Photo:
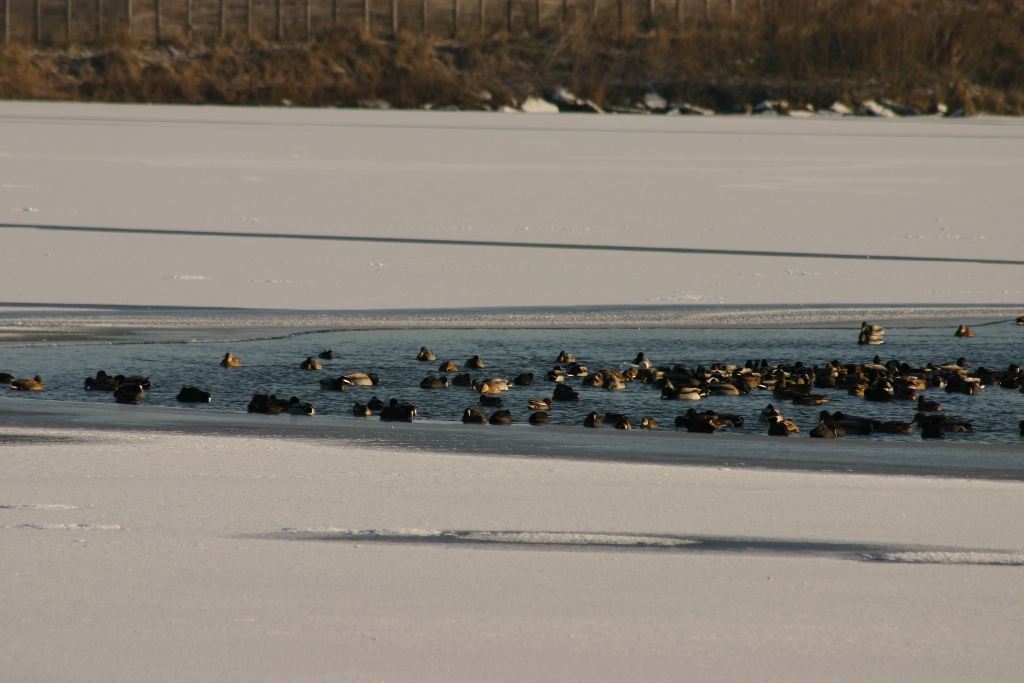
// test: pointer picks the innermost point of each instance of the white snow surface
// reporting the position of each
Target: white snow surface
(157, 556)
(904, 187)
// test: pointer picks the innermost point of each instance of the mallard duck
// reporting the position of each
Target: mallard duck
(613, 383)
(102, 382)
(431, 382)
(593, 420)
(648, 423)
(555, 374)
(500, 417)
(297, 407)
(194, 395)
(34, 384)
(681, 393)
(782, 427)
(491, 400)
(523, 380)
(951, 423)
(576, 370)
(375, 404)
(826, 431)
(928, 406)
(701, 423)
(963, 331)
(474, 363)
(267, 404)
(474, 416)
(641, 361)
(448, 366)
(810, 400)
(538, 418)
(769, 411)
(853, 424)
(143, 381)
(623, 423)
(539, 404)
(565, 393)
(311, 364)
(425, 354)
(129, 394)
(335, 384)
(495, 385)
(397, 411)
(893, 427)
(361, 379)
(327, 354)
(462, 380)
(361, 410)
(564, 357)
(230, 361)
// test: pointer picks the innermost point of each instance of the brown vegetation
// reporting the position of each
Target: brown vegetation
(917, 52)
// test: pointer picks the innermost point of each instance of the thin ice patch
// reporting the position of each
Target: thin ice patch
(38, 506)
(952, 557)
(73, 527)
(561, 538)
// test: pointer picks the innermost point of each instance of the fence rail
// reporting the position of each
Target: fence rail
(67, 21)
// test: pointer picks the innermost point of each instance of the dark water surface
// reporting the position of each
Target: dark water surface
(272, 366)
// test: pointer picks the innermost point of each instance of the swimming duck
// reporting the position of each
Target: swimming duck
(267, 404)
(681, 394)
(810, 400)
(1020, 320)
(7, 378)
(827, 431)
(491, 400)
(327, 354)
(893, 427)
(474, 416)
(34, 384)
(853, 424)
(564, 357)
(766, 414)
(538, 418)
(297, 407)
(962, 385)
(397, 411)
(701, 423)
(448, 366)
(928, 406)
(951, 423)
(1022, 427)
(230, 361)
(613, 383)
(622, 423)
(555, 374)
(524, 379)
(933, 431)
(723, 389)
(641, 361)
(963, 331)
(500, 417)
(728, 418)
(576, 370)
(491, 386)
(143, 381)
(102, 382)
(361, 379)
(425, 354)
(648, 423)
(335, 384)
(781, 427)
(193, 395)
(375, 404)
(311, 364)
(129, 394)
(361, 410)
(462, 380)
(565, 393)
(870, 334)
(539, 404)
(879, 392)
(474, 363)
(593, 420)
(431, 382)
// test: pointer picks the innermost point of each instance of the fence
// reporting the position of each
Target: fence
(66, 21)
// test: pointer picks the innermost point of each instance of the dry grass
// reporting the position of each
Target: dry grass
(917, 52)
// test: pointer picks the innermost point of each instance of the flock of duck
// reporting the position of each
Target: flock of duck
(795, 383)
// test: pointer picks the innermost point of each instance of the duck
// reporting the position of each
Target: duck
(7, 378)
(431, 382)
(648, 423)
(102, 382)
(933, 431)
(524, 379)
(193, 395)
(538, 418)
(145, 382)
(681, 394)
(491, 400)
(878, 392)
(539, 403)
(853, 424)
(576, 370)
(474, 416)
(326, 354)
(361, 410)
(555, 374)
(622, 423)
(448, 366)
(129, 394)
(641, 361)
(397, 411)
(267, 404)
(565, 393)
(474, 363)
(613, 383)
(375, 404)
(951, 423)
(425, 354)
(297, 407)
(963, 331)
(722, 389)
(810, 400)
(335, 384)
(361, 379)
(564, 357)
(870, 334)
(311, 364)
(500, 417)
(827, 431)
(781, 427)
(494, 385)
(1022, 427)
(34, 384)
(766, 414)
(702, 423)
(1020, 320)
(893, 427)
(729, 418)
(593, 420)
(230, 361)
(927, 406)
(462, 380)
